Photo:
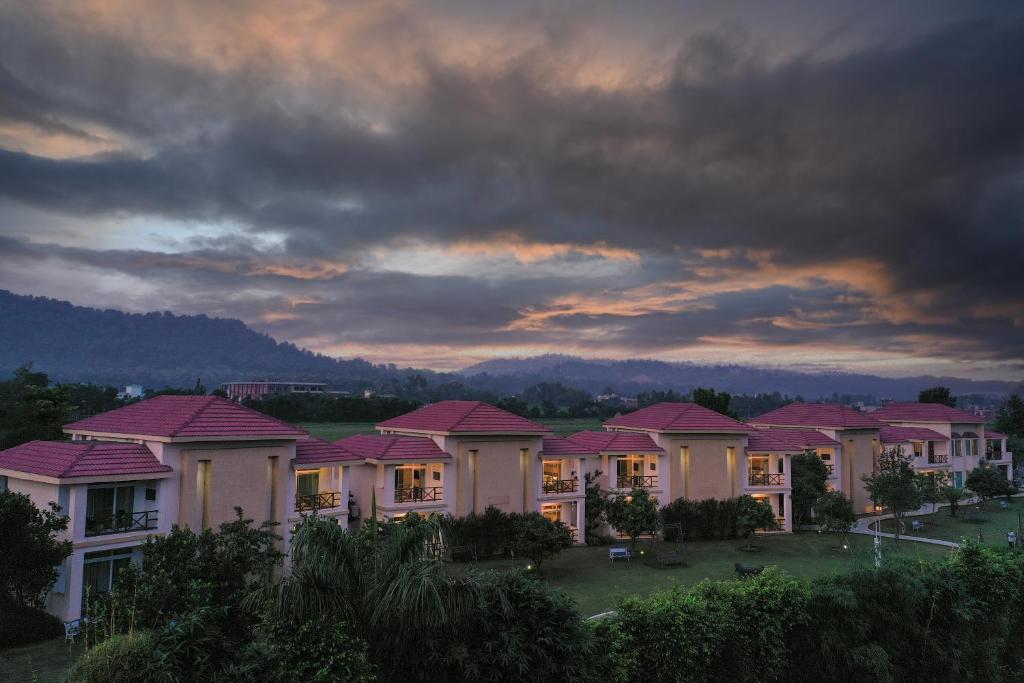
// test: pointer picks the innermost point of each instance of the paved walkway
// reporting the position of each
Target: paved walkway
(865, 525)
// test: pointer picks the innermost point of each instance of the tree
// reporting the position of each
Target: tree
(809, 477)
(29, 549)
(596, 506)
(987, 482)
(1010, 416)
(634, 514)
(30, 408)
(312, 652)
(717, 401)
(951, 494)
(537, 537)
(931, 487)
(754, 514)
(834, 512)
(936, 395)
(894, 486)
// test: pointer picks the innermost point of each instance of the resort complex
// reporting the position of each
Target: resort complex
(192, 460)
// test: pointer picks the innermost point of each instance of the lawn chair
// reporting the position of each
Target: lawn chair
(1003, 504)
(71, 629)
(916, 525)
(619, 553)
(747, 571)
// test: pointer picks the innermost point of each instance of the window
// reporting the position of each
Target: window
(782, 505)
(436, 475)
(552, 470)
(931, 448)
(150, 494)
(307, 483)
(958, 480)
(958, 446)
(3, 484)
(101, 570)
(409, 476)
(654, 466)
(918, 449)
(781, 466)
(972, 446)
(108, 508)
(759, 466)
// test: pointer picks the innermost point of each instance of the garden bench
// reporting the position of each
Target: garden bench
(463, 553)
(71, 629)
(668, 558)
(618, 553)
(916, 524)
(746, 571)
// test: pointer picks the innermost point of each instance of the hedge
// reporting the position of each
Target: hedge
(22, 625)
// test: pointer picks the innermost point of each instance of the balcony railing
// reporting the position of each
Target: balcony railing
(938, 459)
(121, 523)
(994, 455)
(637, 482)
(831, 469)
(317, 501)
(560, 485)
(418, 494)
(766, 479)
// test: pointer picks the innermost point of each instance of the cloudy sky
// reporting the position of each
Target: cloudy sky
(806, 184)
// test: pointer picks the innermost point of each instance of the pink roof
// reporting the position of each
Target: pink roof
(469, 417)
(616, 442)
(924, 412)
(67, 459)
(378, 447)
(313, 450)
(678, 417)
(901, 434)
(993, 434)
(186, 416)
(786, 439)
(828, 415)
(557, 446)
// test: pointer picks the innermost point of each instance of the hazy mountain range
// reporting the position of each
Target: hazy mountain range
(80, 344)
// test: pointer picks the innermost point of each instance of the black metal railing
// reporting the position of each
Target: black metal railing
(637, 482)
(418, 494)
(766, 479)
(994, 455)
(121, 523)
(317, 501)
(560, 485)
(831, 469)
(938, 459)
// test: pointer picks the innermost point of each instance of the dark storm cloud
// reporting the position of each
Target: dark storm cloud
(907, 154)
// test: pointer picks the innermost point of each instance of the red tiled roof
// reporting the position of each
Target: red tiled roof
(470, 417)
(67, 459)
(993, 434)
(557, 446)
(924, 412)
(616, 442)
(378, 447)
(787, 439)
(186, 416)
(817, 415)
(678, 417)
(901, 434)
(317, 450)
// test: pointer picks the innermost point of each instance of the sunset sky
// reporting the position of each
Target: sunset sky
(803, 184)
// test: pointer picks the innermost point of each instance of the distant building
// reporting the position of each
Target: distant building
(625, 401)
(131, 391)
(238, 391)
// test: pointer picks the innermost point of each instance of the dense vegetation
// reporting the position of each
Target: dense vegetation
(714, 519)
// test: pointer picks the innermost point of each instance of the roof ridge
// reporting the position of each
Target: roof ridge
(89, 445)
(196, 413)
(473, 407)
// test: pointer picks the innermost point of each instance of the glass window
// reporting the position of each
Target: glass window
(307, 483)
(552, 470)
(958, 446)
(759, 465)
(108, 508)
(101, 570)
(918, 449)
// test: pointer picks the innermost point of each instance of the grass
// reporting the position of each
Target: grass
(332, 431)
(597, 584)
(997, 522)
(47, 661)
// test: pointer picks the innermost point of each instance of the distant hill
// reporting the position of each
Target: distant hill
(633, 376)
(79, 344)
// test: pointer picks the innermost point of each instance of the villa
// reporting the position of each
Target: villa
(190, 461)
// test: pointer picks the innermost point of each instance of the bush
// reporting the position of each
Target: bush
(487, 532)
(312, 652)
(22, 625)
(709, 519)
(123, 658)
(535, 536)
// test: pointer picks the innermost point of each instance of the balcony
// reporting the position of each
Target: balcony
(418, 494)
(560, 486)
(636, 482)
(766, 479)
(831, 469)
(121, 523)
(938, 459)
(317, 501)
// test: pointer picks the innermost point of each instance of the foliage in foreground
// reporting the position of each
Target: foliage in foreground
(29, 549)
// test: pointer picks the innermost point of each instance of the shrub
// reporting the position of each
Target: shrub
(713, 519)
(634, 514)
(535, 536)
(125, 658)
(22, 625)
(488, 532)
(28, 535)
(311, 652)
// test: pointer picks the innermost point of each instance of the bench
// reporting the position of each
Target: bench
(618, 553)
(746, 571)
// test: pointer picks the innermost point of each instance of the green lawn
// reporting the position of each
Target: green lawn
(597, 584)
(44, 662)
(332, 431)
(993, 522)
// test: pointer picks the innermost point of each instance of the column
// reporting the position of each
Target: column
(581, 521)
(449, 484)
(73, 586)
(343, 474)
(788, 524)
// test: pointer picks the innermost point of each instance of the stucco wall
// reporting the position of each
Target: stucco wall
(705, 472)
(500, 476)
(860, 451)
